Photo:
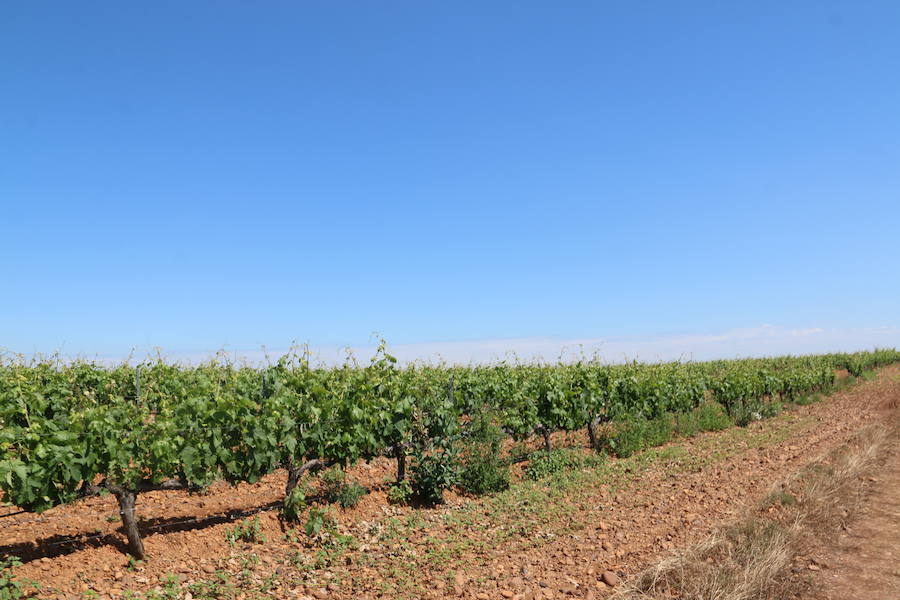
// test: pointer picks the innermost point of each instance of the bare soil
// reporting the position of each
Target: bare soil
(553, 539)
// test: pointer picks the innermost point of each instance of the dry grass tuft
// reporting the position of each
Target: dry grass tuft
(742, 562)
(830, 491)
(751, 560)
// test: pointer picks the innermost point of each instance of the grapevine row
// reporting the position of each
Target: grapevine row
(73, 430)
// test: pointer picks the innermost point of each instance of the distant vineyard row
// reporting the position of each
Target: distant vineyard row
(73, 430)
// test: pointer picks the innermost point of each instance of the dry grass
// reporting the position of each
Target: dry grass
(743, 562)
(751, 560)
(830, 491)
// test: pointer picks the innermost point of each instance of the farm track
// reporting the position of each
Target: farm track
(539, 540)
(862, 559)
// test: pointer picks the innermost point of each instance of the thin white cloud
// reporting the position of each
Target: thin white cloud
(764, 340)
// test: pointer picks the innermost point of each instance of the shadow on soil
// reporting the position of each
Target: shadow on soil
(58, 545)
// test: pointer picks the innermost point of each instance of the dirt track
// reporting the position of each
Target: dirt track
(543, 540)
(863, 562)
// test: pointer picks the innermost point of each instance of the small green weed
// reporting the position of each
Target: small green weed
(218, 588)
(133, 563)
(779, 497)
(12, 588)
(336, 488)
(320, 520)
(806, 400)
(248, 530)
(400, 492)
(295, 503)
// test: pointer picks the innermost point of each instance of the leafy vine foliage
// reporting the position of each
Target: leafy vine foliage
(71, 430)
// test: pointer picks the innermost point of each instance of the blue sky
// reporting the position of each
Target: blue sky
(225, 174)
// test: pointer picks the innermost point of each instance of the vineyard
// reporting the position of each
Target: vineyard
(73, 430)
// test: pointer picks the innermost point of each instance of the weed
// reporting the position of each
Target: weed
(400, 492)
(215, 589)
(711, 416)
(414, 520)
(134, 564)
(543, 463)
(320, 520)
(248, 530)
(336, 488)
(169, 590)
(806, 400)
(10, 587)
(483, 471)
(779, 497)
(295, 503)
(249, 560)
(633, 434)
(748, 411)
(434, 472)
(269, 583)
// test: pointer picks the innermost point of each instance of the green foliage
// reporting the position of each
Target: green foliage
(170, 589)
(295, 503)
(632, 435)
(248, 530)
(10, 587)
(400, 492)
(319, 520)
(433, 473)
(133, 564)
(216, 588)
(483, 474)
(779, 497)
(62, 424)
(709, 416)
(808, 399)
(745, 412)
(336, 488)
(351, 494)
(483, 471)
(542, 464)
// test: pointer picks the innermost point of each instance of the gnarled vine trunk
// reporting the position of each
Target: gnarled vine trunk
(127, 500)
(592, 431)
(545, 433)
(401, 463)
(295, 472)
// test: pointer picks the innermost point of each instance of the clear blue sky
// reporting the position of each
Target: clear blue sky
(200, 174)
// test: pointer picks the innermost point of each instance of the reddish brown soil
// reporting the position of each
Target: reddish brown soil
(619, 531)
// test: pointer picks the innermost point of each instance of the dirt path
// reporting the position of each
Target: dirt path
(864, 561)
(555, 538)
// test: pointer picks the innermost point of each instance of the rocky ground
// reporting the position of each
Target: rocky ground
(576, 534)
